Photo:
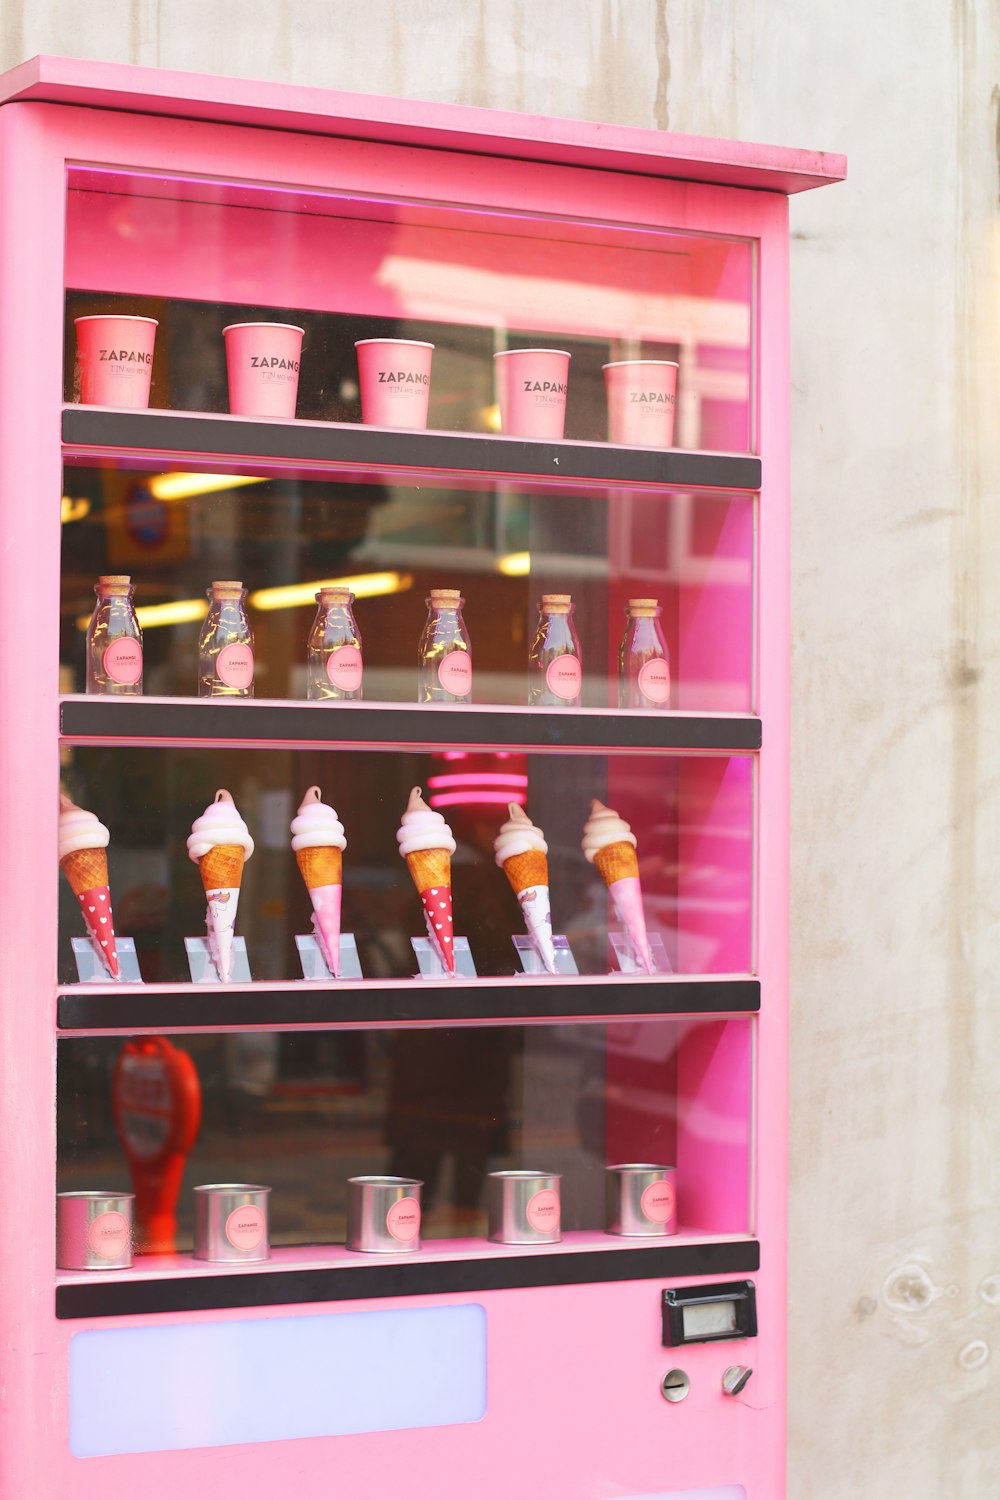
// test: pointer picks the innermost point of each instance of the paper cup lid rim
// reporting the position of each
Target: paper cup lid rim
(616, 363)
(231, 1187)
(501, 353)
(93, 1193)
(261, 324)
(411, 343)
(120, 317)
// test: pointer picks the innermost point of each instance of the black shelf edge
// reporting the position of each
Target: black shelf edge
(523, 999)
(409, 726)
(414, 1278)
(332, 445)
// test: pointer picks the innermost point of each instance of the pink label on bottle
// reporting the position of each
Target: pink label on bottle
(654, 680)
(455, 673)
(245, 1228)
(564, 676)
(123, 661)
(542, 1212)
(108, 1236)
(658, 1202)
(403, 1220)
(344, 668)
(234, 666)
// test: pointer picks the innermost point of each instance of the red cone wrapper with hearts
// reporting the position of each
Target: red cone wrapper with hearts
(83, 844)
(426, 843)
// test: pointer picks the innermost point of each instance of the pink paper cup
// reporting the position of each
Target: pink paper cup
(531, 390)
(641, 402)
(262, 361)
(395, 380)
(115, 358)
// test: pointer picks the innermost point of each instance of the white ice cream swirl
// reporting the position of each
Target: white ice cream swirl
(519, 835)
(602, 828)
(79, 829)
(316, 826)
(423, 828)
(220, 823)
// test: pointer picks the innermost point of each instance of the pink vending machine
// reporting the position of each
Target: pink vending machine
(394, 759)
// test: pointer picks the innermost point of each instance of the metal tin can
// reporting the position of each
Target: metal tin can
(231, 1222)
(524, 1208)
(383, 1214)
(641, 1199)
(94, 1231)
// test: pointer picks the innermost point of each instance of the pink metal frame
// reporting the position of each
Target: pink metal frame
(574, 1372)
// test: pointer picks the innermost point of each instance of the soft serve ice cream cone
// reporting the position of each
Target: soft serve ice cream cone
(319, 843)
(219, 844)
(426, 843)
(609, 843)
(521, 853)
(83, 856)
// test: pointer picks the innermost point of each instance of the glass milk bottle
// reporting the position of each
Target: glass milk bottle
(114, 640)
(225, 647)
(334, 665)
(643, 658)
(555, 675)
(444, 657)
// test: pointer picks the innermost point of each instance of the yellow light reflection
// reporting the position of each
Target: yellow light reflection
(514, 564)
(183, 486)
(74, 509)
(175, 612)
(362, 586)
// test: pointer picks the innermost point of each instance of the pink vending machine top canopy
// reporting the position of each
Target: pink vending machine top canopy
(205, 96)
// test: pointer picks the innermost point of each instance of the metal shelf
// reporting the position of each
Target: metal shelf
(89, 1009)
(313, 449)
(410, 726)
(312, 1274)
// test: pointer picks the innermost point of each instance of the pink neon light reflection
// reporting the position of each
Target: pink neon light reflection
(471, 778)
(470, 798)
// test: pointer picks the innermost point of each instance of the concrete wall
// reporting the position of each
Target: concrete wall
(896, 396)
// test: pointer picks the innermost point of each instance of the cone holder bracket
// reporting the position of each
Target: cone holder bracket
(430, 963)
(628, 960)
(203, 970)
(532, 964)
(314, 965)
(90, 968)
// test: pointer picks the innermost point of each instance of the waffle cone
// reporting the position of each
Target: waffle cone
(522, 870)
(617, 861)
(429, 867)
(321, 865)
(222, 867)
(86, 869)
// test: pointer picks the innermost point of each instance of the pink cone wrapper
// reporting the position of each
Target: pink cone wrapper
(440, 923)
(326, 900)
(537, 912)
(627, 896)
(220, 919)
(96, 908)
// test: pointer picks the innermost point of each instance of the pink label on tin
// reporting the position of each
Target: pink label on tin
(455, 673)
(108, 1236)
(344, 668)
(564, 677)
(245, 1228)
(123, 661)
(234, 665)
(403, 1220)
(542, 1212)
(658, 1202)
(654, 680)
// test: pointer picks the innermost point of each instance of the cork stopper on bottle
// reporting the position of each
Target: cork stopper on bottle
(642, 608)
(445, 598)
(227, 588)
(330, 596)
(556, 604)
(114, 583)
